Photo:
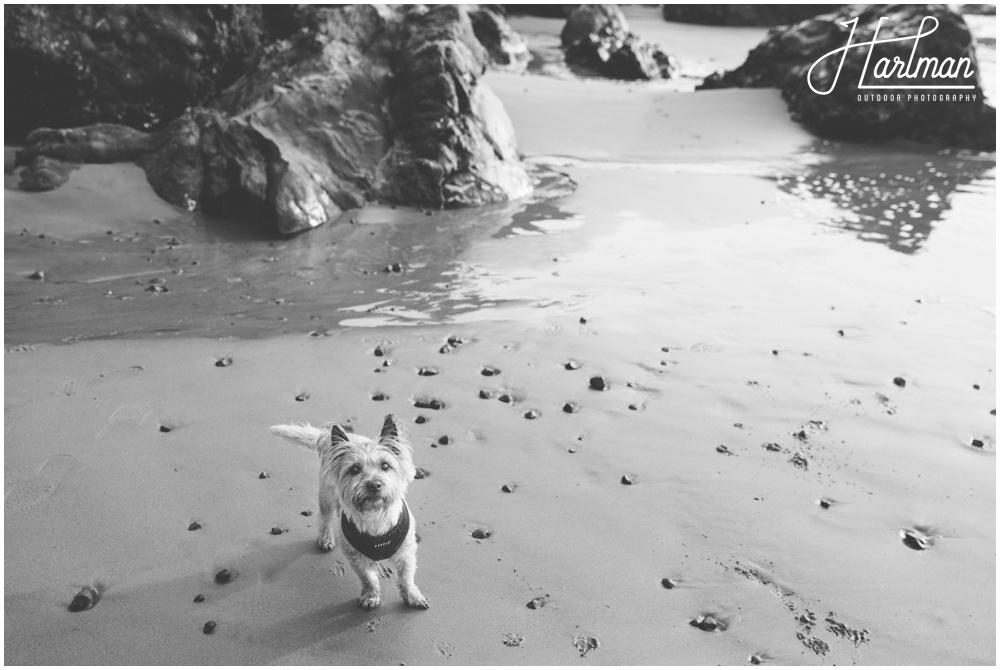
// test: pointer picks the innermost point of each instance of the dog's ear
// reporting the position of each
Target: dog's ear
(390, 429)
(337, 435)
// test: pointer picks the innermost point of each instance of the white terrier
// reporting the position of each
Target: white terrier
(362, 490)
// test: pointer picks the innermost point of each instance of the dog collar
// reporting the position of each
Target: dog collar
(377, 547)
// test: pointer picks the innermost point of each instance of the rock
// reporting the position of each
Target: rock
(532, 414)
(977, 443)
(428, 403)
(537, 603)
(771, 446)
(367, 103)
(379, 397)
(755, 659)
(444, 440)
(707, 623)
(379, 351)
(194, 525)
(508, 488)
(277, 530)
(485, 394)
(667, 583)
(786, 55)
(302, 397)
(628, 480)
(420, 419)
(571, 408)
(825, 503)
(596, 37)
(571, 365)
(427, 372)
(799, 461)
(165, 429)
(916, 539)
(138, 65)
(263, 475)
(599, 383)
(223, 362)
(489, 371)
(507, 398)
(723, 449)
(899, 381)
(307, 512)
(742, 15)
(421, 473)
(208, 628)
(504, 46)
(85, 599)
(224, 576)
(482, 533)
(199, 598)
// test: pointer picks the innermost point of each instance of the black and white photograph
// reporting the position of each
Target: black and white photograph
(500, 335)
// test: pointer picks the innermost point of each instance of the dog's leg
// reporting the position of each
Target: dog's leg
(327, 506)
(406, 566)
(371, 591)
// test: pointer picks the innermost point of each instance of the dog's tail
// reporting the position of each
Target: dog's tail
(303, 434)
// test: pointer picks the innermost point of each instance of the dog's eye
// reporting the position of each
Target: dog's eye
(386, 466)
(355, 469)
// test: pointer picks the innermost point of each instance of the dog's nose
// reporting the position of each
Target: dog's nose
(374, 486)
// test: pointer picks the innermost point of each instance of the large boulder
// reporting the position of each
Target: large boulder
(596, 38)
(743, 15)
(139, 65)
(506, 48)
(828, 100)
(363, 104)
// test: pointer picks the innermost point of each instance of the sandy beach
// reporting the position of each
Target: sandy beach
(801, 391)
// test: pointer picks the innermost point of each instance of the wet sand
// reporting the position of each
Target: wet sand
(801, 391)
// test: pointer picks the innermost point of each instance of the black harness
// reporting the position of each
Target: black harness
(377, 547)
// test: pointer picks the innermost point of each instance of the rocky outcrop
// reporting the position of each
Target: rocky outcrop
(139, 65)
(505, 47)
(743, 15)
(596, 38)
(785, 57)
(363, 104)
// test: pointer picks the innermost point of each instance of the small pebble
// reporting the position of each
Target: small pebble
(571, 365)
(583, 320)
(199, 598)
(490, 371)
(667, 583)
(208, 628)
(263, 475)
(378, 397)
(194, 525)
(445, 349)
(723, 449)
(456, 341)
(223, 362)
(599, 383)
(977, 443)
(302, 397)
(628, 479)
(771, 446)
(85, 599)
(633, 407)
(277, 530)
(37, 274)
(532, 414)
(379, 351)
(485, 394)
(537, 603)
(774, 352)
(508, 488)
(307, 512)
(394, 268)
(429, 404)
(165, 429)
(444, 440)
(899, 381)
(975, 386)
(506, 398)
(915, 540)
(420, 419)
(421, 474)
(482, 533)
(224, 576)
(570, 408)
(386, 363)
(825, 503)
(705, 623)
(427, 372)
(756, 660)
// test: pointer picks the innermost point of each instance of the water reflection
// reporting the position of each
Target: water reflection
(894, 196)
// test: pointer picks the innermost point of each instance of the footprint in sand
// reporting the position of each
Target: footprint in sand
(77, 386)
(129, 414)
(445, 649)
(585, 643)
(338, 568)
(39, 485)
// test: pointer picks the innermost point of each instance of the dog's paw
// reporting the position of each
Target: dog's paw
(326, 543)
(369, 601)
(416, 599)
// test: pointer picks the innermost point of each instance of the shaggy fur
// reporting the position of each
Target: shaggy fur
(366, 481)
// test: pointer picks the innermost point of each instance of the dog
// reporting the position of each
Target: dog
(362, 502)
